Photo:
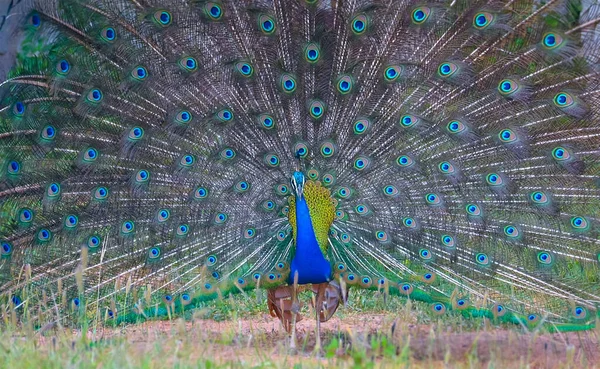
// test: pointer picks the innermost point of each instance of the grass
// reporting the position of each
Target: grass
(236, 332)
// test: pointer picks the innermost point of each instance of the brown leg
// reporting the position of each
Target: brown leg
(281, 305)
(320, 298)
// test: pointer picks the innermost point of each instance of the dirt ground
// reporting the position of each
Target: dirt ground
(244, 339)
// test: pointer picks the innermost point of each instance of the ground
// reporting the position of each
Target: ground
(350, 340)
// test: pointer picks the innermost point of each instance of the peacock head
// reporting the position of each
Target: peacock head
(298, 183)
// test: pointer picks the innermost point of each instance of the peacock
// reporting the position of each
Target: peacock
(160, 154)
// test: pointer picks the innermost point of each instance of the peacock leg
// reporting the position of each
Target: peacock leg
(295, 310)
(280, 303)
(320, 299)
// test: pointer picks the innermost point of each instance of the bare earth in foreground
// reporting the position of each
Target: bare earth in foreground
(249, 342)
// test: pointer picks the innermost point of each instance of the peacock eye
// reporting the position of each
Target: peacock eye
(266, 24)
(420, 15)
(359, 24)
(213, 11)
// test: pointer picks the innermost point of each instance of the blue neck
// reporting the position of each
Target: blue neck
(309, 262)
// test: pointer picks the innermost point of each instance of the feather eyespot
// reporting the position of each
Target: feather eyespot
(507, 136)
(482, 259)
(25, 216)
(390, 191)
(136, 134)
(241, 186)
(90, 155)
(313, 174)
(312, 53)
(473, 209)
(482, 20)
(456, 126)
(392, 72)
(508, 87)
(183, 117)
(13, 167)
(538, 197)
(498, 310)
(266, 24)
(316, 109)
(425, 254)
(281, 236)
(249, 233)
(272, 160)
(288, 83)
(35, 20)
(48, 133)
(282, 189)
(71, 221)
(327, 149)
(95, 96)
(446, 167)
(438, 308)
(552, 40)
(579, 312)
(163, 215)
(405, 161)
(512, 231)
(163, 18)
(187, 161)
(182, 230)
(93, 241)
(344, 84)
(433, 199)
(362, 209)
(200, 193)
(227, 153)
(225, 115)
(405, 288)
(366, 282)
(544, 257)
(361, 163)
(142, 176)
(448, 241)
(361, 126)
(563, 100)
(127, 227)
(409, 222)
(211, 260)
(494, 179)
(428, 277)
(154, 252)
(18, 109)
(108, 34)
(188, 64)
(420, 15)
(328, 179)
(220, 218)
(267, 121)
(359, 24)
(139, 73)
(408, 120)
(44, 235)
(382, 236)
(268, 205)
(213, 11)
(447, 69)
(245, 69)
(53, 190)
(63, 67)
(560, 153)
(579, 223)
